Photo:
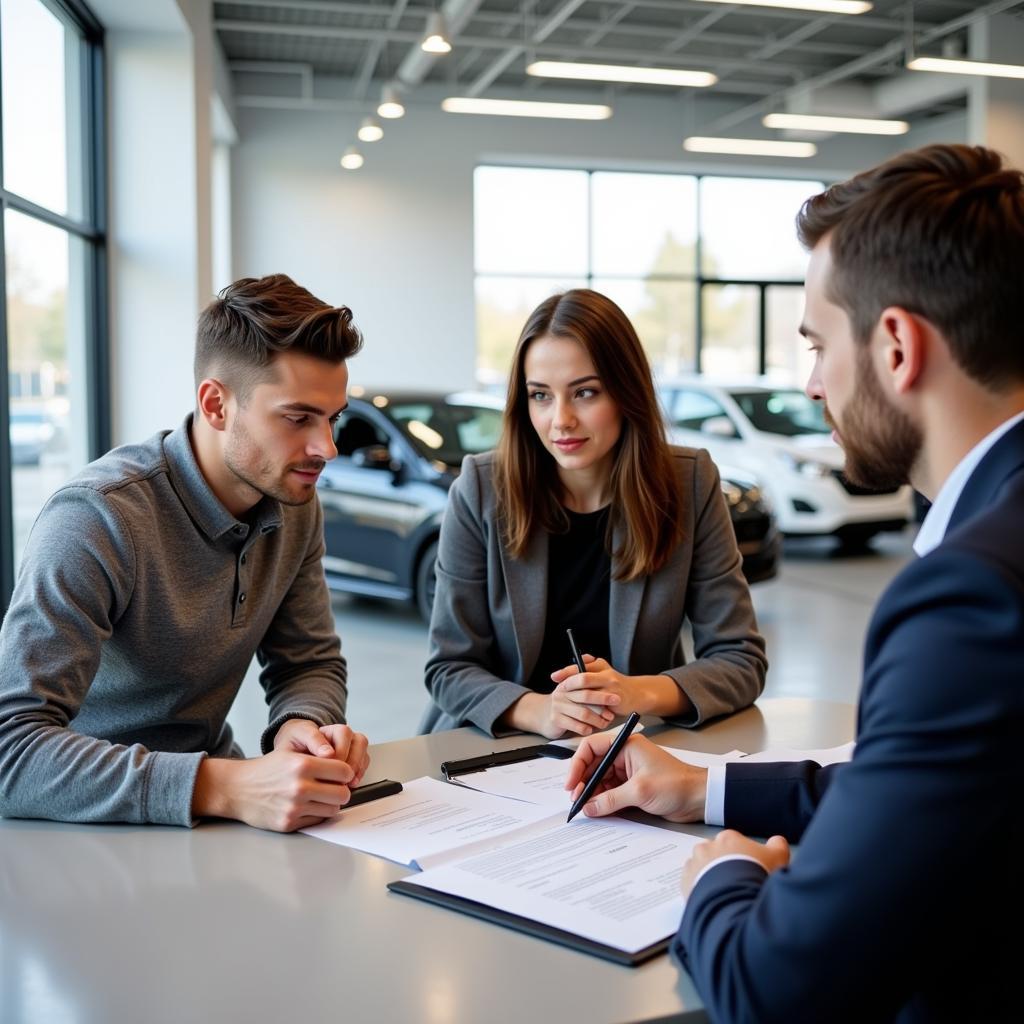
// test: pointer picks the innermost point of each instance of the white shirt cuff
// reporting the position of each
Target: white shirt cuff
(721, 860)
(714, 798)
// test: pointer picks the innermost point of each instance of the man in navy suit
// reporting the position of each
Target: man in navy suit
(907, 879)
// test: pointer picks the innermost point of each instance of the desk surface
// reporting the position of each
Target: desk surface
(112, 923)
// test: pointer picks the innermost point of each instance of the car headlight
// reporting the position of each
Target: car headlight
(805, 467)
(733, 493)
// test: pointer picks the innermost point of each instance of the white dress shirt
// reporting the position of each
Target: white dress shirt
(929, 537)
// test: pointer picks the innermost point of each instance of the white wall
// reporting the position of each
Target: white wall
(394, 240)
(160, 58)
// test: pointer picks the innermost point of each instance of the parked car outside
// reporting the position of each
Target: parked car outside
(385, 493)
(32, 432)
(780, 435)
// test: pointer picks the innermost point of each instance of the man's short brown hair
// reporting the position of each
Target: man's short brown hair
(938, 231)
(256, 317)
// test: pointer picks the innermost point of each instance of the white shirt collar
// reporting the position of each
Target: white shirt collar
(936, 522)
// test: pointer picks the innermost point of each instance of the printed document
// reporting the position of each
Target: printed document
(426, 818)
(609, 880)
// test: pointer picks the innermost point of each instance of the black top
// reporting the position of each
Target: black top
(579, 586)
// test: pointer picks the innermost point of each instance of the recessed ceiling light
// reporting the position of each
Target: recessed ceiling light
(956, 66)
(525, 108)
(749, 147)
(824, 123)
(824, 6)
(620, 73)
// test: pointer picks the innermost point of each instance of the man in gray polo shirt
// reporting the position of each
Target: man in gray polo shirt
(152, 577)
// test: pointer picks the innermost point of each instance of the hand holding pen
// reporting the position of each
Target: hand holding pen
(605, 763)
(640, 775)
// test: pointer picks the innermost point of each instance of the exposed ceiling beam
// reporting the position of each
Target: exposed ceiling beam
(871, 60)
(555, 21)
(740, 62)
(331, 7)
(374, 50)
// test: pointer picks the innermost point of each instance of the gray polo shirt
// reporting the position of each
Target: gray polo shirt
(138, 607)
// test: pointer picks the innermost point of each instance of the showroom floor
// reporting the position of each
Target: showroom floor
(813, 615)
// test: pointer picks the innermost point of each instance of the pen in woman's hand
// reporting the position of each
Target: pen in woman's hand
(576, 656)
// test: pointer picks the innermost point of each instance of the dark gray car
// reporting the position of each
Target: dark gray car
(384, 495)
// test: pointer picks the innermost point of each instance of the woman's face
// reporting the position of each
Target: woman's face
(570, 409)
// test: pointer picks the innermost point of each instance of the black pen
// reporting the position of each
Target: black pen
(576, 656)
(606, 762)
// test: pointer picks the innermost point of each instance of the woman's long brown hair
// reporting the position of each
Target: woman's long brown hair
(644, 493)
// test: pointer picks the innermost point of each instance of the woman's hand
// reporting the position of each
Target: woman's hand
(647, 695)
(554, 714)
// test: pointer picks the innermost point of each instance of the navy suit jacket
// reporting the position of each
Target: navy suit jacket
(907, 881)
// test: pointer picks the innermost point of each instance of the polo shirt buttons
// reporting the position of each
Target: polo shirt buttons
(242, 559)
(241, 598)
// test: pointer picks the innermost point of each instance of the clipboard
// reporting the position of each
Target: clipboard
(528, 926)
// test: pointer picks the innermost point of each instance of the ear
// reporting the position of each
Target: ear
(212, 398)
(901, 348)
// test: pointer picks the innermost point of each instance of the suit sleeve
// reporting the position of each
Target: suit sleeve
(729, 669)
(457, 675)
(898, 845)
(764, 799)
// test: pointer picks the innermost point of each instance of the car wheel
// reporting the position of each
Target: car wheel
(425, 581)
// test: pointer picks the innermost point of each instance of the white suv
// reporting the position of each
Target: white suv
(780, 435)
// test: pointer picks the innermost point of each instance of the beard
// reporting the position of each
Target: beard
(243, 456)
(881, 443)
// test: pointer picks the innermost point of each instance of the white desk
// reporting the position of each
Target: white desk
(103, 924)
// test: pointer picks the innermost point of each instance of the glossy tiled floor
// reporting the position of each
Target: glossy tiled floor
(813, 616)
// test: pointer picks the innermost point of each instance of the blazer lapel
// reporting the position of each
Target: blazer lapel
(527, 588)
(1005, 458)
(623, 609)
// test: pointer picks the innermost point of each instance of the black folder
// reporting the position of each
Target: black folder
(528, 926)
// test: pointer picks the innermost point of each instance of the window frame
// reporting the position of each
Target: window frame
(699, 279)
(91, 228)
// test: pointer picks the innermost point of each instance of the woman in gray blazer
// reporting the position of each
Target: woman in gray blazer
(585, 518)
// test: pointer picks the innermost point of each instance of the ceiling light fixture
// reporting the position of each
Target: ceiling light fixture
(351, 159)
(435, 39)
(748, 147)
(960, 66)
(390, 103)
(827, 123)
(620, 73)
(823, 6)
(370, 130)
(525, 108)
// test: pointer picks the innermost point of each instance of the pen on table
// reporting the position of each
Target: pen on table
(606, 762)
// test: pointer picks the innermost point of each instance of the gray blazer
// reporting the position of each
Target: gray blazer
(489, 612)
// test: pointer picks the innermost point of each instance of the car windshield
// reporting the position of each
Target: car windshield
(788, 412)
(446, 432)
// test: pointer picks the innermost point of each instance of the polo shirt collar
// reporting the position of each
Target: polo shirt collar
(202, 504)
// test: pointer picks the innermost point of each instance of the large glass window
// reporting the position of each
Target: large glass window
(747, 227)
(51, 303)
(788, 358)
(707, 268)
